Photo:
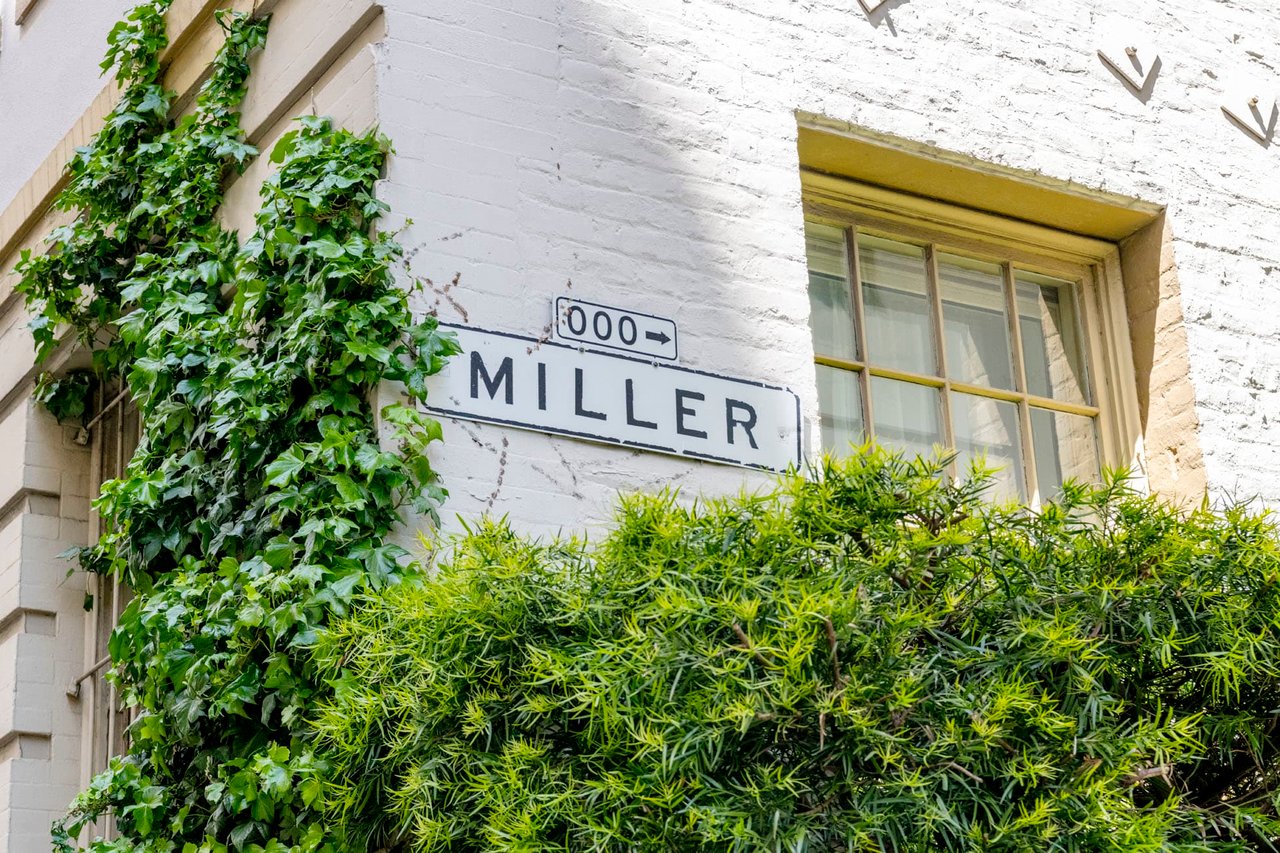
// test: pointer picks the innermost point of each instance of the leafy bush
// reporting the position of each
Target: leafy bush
(66, 397)
(870, 658)
(260, 498)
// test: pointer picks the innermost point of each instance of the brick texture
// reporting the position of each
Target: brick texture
(644, 155)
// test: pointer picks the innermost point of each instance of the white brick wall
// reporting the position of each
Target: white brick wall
(646, 153)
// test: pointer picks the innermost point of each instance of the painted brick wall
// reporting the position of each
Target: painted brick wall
(643, 154)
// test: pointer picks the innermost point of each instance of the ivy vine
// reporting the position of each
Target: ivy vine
(66, 397)
(259, 501)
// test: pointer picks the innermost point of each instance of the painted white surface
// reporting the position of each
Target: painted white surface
(644, 154)
(49, 75)
(1251, 101)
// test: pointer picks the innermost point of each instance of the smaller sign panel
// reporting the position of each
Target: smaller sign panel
(601, 326)
(548, 387)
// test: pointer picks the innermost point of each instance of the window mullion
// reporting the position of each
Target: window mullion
(112, 698)
(840, 363)
(860, 329)
(104, 722)
(907, 376)
(1020, 377)
(939, 346)
(972, 339)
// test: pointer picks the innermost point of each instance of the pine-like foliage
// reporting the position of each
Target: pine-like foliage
(869, 658)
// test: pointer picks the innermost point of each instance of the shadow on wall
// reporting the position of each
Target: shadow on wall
(582, 149)
(646, 151)
(880, 14)
(1166, 397)
(579, 149)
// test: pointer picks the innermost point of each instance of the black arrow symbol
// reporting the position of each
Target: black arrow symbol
(660, 337)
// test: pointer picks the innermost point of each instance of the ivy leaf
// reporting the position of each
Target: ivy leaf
(142, 816)
(350, 493)
(193, 303)
(279, 552)
(241, 834)
(284, 147)
(154, 101)
(210, 272)
(327, 248)
(343, 588)
(310, 790)
(227, 543)
(285, 469)
(309, 573)
(380, 562)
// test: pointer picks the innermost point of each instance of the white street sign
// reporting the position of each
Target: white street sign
(600, 326)
(521, 382)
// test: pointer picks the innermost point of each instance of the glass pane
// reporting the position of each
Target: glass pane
(988, 429)
(906, 416)
(896, 301)
(1066, 447)
(1049, 320)
(830, 302)
(973, 322)
(839, 409)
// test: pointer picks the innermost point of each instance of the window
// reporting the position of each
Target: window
(929, 332)
(114, 431)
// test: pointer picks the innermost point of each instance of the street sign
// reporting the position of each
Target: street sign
(538, 385)
(600, 326)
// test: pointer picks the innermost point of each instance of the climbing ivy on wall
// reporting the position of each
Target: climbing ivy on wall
(258, 503)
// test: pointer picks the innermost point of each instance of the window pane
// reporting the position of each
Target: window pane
(989, 429)
(973, 321)
(906, 416)
(1066, 447)
(839, 409)
(896, 301)
(1049, 321)
(830, 302)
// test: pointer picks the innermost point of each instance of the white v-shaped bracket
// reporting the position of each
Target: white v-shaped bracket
(1129, 53)
(1252, 103)
(869, 6)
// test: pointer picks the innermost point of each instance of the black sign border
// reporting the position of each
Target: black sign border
(619, 442)
(555, 325)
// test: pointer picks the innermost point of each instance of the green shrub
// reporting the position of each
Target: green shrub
(870, 658)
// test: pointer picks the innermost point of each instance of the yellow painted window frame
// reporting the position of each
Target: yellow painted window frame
(115, 431)
(1094, 263)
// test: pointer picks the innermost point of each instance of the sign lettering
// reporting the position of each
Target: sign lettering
(521, 382)
(600, 326)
